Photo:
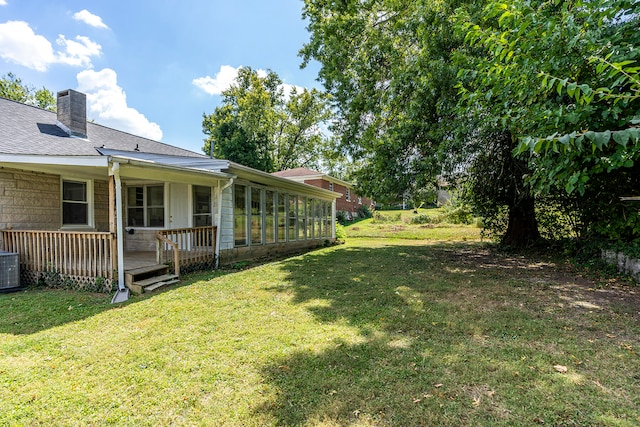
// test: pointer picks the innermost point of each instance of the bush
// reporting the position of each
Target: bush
(341, 217)
(421, 219)
(380, 217)
(364, 212)
(458, 214)
(341, 233)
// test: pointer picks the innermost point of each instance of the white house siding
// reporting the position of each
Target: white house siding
(226, 226)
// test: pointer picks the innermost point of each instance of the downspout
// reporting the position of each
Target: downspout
(219, 219)
(115, 168)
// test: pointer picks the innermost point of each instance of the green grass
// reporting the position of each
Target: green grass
(397, 225)
(374, 332)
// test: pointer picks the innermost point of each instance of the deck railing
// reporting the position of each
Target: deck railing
(186, 247)
(79, 255)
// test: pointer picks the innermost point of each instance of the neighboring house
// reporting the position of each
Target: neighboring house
(348, 202)
(95, 205)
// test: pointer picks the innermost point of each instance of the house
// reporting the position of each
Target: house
(99, 206)
(348, 201)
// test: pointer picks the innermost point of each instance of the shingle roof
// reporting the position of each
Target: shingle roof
(290, 173)
(29, 130)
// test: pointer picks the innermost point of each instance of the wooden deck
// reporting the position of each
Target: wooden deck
(133, 260)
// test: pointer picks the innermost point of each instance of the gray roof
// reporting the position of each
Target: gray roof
(29, 130)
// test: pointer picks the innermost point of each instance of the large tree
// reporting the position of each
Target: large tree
(12, 87)
(392, 67)
(261, 126)
(568, 70)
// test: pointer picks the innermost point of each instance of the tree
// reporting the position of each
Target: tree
(11, 87)
(387, 66)
(260, 126)
(570, 66)
(392, 67)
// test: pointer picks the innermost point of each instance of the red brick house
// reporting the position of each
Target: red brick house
(349, 202)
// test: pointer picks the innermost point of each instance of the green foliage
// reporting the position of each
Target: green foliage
(342, 217)
(12, 87)
(565, 78)
(387, 217)
(364, 212)
(341, 233)
(259, 126)
(457, 213)
(421, 219)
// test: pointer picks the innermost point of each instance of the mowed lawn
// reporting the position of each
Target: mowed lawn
(375, 332)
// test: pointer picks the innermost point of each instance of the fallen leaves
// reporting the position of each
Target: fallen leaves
(561, 368)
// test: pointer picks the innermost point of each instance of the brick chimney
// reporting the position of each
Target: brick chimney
(72, 113)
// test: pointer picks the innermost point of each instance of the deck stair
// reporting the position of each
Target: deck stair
(147, 279)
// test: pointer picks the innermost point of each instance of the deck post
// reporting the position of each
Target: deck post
(112, 221)
(115, 171)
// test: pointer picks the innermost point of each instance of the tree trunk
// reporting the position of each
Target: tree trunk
(522, 229)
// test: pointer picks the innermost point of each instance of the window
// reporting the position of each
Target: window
(256, 216)
(331, 186)
(145, 206)
(302, 217)
(240, 214)
(317, 218)
(282, 217)
(201, 206)
(270, 212)
(359, 200)
(347, 195)
(310, 204)
(76, 203)
(293, 218)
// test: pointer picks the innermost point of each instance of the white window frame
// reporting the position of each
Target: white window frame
(347, 194)
(145, 206)
(89, 202)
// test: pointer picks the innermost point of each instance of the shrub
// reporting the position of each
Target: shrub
(364, 212)
(380, 217)
(341, 233)
(458, 213)
(341, 217)
(421, 219)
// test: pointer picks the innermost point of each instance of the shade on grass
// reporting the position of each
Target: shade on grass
(374, 332)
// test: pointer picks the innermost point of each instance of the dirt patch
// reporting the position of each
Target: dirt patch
(570, 286)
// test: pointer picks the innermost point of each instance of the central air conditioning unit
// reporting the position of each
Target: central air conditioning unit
(9, 270)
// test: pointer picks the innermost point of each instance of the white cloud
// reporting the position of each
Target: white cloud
(77, 52)
(20, 45)
(226, 76)
(89, 19)
(3, 2)
(107, 104)
(216, 85)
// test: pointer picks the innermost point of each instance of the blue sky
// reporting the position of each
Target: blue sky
(151, 68)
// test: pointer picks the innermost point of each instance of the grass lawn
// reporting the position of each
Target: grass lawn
(397, 225)
(374, 332)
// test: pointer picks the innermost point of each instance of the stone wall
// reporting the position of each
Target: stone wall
(29, 200)
(101, 205)
(625, 264)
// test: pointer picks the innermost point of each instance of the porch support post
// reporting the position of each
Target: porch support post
(219, 220)
(115, 169)
(112, 221)
(333, 219)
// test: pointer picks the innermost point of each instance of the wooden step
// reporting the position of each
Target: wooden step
(137, 274)
(155, 279)
(159, 284)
